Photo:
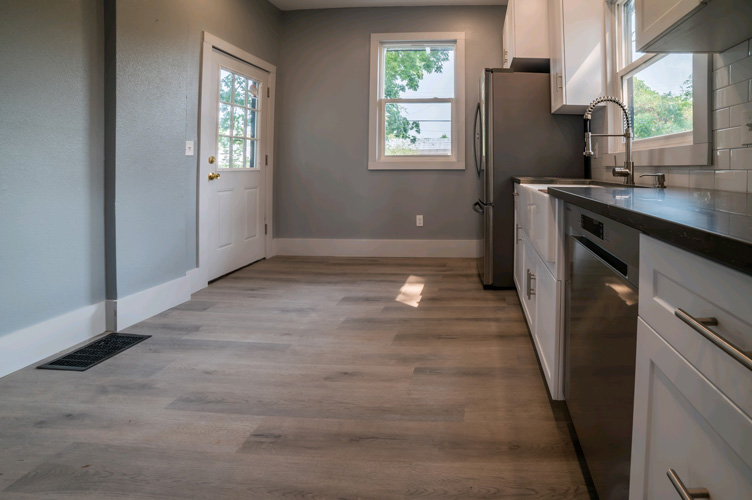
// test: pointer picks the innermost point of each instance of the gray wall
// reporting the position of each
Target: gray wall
(158, 64)
(51, 158)
(322, 186)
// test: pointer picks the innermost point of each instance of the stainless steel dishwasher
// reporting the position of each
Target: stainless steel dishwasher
(601, 304)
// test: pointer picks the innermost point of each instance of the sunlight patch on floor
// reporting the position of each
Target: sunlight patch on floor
(410, 293)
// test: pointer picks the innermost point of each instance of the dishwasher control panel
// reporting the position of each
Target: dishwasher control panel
(592, 226)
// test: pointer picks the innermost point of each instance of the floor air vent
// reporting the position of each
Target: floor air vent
(94, 353)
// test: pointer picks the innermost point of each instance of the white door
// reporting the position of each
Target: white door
(234, 143)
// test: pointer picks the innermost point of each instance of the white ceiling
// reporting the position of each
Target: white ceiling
(334, 4)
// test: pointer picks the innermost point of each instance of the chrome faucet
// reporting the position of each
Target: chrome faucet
(627, 171)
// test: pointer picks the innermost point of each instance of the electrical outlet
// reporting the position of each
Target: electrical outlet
(188, 148)
(419, 220)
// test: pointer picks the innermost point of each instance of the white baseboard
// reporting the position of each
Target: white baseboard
(122, 313)
(36, 342)
(196, 281)
(378, 248)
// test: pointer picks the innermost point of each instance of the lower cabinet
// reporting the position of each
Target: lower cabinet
(542, 302)
(684, 423)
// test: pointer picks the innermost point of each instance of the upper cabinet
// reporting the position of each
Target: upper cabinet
(525, 36)
(691, 25)
(577, 53)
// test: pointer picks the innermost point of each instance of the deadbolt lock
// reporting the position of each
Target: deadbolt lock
(212, 160)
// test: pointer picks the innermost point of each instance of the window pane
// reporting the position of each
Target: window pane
(416, 72)
(224, 119)
(240, 86)
(630, 40)
(225, 85)
(253, 92)
(238, 122)
(237, 153)
(250, 154)
(252, 118)
(423, 129)
(660, 97)
(223, 152)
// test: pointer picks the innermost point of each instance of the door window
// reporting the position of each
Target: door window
(237, 120)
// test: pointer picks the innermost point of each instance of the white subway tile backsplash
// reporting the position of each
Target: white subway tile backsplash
(721, 160)
(740, 115)
(677, 178)
(702, 179)
(740, 70)
(721, 77)
(731, 95)
(728, 138)
(731, 55)
(721, 118)
(740, 159)
(731, 180)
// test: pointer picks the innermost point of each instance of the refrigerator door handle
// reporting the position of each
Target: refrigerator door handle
(480, 206)
(476, 137)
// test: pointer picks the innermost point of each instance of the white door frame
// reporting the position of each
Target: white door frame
(211, 42)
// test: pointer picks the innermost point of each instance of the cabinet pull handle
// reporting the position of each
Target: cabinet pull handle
(530, 290)
(517, 233)
(723, 344)
(559, 82)
(684, 492)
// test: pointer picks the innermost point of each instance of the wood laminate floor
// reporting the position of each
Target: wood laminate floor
(302, 378)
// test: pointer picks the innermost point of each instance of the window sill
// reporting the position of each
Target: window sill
(417, 165)
(676, 156)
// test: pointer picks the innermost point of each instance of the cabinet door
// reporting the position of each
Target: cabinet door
(577, 54)
(508, 35)
(527, 292)
(519, 251)
(556, 45)
(682, 422)
(547, 310)
(654, 17)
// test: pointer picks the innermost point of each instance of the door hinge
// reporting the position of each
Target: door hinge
(266, 159)
(266, 229)
(268, 91)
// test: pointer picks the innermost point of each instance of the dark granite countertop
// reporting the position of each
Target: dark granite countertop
(714, 224)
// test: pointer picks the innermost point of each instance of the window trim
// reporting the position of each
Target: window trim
(685, 148)
(376, 106)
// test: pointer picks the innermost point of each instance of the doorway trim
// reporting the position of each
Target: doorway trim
(211, 42)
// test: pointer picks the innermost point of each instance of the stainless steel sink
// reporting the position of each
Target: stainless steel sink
(571, 182)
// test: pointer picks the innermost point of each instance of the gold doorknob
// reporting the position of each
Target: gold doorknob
(213, 175)
(212, 160)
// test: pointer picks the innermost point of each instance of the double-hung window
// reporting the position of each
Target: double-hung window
(416, 117)
(667, 94)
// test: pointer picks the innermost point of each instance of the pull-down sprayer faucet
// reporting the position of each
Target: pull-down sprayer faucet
(627, 171)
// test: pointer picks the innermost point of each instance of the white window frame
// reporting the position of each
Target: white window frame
(377, 160)
(684, 148)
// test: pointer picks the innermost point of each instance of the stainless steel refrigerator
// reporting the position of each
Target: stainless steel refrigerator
(515, 135)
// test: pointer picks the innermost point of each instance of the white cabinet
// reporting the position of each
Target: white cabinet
(577, 49)
(693, 401)
(547, 323)
(525, 35)
(691, 25)
(683, 422)
(541, 293)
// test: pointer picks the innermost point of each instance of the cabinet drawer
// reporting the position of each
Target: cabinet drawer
(682, 422)
(671, 279)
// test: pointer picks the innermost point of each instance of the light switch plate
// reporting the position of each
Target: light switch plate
(188, 148)
(419, 220)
